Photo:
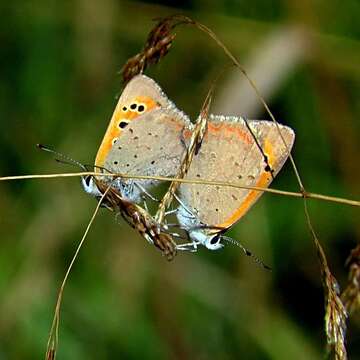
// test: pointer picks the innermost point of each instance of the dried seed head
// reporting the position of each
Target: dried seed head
(335, 319)
(351, 295)
(157, 45)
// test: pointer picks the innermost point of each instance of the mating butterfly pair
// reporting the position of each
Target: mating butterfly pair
(147, 135)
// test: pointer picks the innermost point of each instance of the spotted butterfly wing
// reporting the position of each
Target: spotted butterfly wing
(144, 136)
(230, 153)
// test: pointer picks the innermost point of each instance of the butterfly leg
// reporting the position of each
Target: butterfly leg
(172, 225)
(176, 235)
(170, 212)
(192, 247)
(145, 192)
(145, 205)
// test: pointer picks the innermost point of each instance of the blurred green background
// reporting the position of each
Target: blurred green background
(59, 82)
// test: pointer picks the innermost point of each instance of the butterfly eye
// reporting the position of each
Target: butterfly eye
(87, 180)
(215, 240)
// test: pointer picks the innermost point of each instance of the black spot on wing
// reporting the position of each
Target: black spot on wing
(123, 124)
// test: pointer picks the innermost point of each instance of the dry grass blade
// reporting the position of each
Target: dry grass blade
(308, 195)
(53, 340)
(351, 295)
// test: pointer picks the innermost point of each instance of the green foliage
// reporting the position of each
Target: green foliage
(58, 83)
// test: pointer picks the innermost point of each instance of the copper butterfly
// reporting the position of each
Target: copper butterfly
(248, 153)
(144, 137)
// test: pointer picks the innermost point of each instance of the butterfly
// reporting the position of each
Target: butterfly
(234, 150)
(148, 135)
(144, 137)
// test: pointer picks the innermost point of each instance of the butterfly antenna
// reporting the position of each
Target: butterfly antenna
(246, 251)
(61, 158)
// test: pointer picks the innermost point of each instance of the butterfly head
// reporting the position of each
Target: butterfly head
(210, 238)
(89, 185)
